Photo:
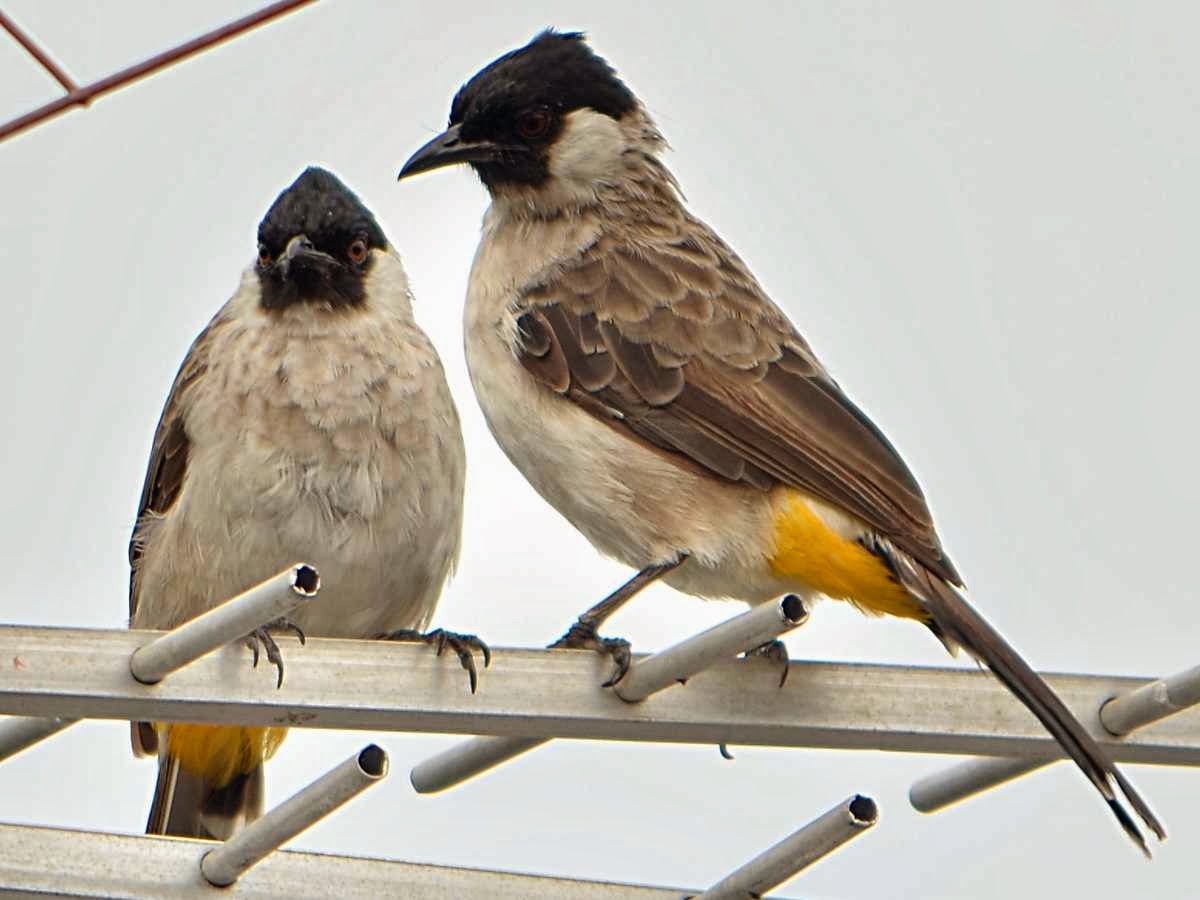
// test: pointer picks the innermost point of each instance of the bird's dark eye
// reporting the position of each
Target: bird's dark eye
(357, 251)
(264, 256)
(534, 123)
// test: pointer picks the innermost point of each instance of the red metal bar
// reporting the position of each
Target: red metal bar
(81, 96)
(37, 52)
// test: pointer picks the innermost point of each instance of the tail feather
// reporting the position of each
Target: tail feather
(164, 794)
(187, 805)
(958, 621)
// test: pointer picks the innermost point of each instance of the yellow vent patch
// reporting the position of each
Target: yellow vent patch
(219, 753)
(809, 551)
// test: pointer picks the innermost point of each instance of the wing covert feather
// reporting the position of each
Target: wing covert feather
(167, 468)
(671, 338)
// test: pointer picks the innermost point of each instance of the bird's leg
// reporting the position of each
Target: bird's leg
(261, 636)
(584, 633)
(463, 646)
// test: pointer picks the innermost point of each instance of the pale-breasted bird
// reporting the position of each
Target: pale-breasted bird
(310, 420)
(634, 370)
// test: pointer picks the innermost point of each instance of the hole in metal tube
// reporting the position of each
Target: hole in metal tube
(793, 607)
(306, 581)
(373, 761)
(863, 810)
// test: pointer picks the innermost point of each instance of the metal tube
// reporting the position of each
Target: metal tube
(227, 863)
(649, 675)
(798, 851)
(275, 598)
(965, 779)
(19, 732)
(1151, 702)
(472, 757)
(1119, 716)
(751, 629)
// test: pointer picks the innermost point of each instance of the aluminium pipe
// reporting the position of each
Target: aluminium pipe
(275, 598)
(751, 629)
(758, 626)
(1119, 716)
(798, 851)
(228, 862)
(19, 732)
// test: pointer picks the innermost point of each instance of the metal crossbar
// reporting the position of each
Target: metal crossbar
(67, 863)
(63, 863)
(81, 673)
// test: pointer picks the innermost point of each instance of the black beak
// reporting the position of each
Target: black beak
(448, 149)
(301, 255)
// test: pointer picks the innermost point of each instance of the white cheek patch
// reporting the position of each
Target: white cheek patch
(386, 282)
(588, 150)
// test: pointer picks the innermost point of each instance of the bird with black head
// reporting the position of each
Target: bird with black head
(638, 375)
(310, 420)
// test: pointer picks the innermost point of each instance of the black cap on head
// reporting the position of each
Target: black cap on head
(314, 243)
(507, 117)
(555, 69)
(320, 207)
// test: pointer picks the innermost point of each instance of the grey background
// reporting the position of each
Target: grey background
(981, 217)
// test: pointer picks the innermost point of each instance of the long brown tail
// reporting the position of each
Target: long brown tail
(185, 805)
(959, 621)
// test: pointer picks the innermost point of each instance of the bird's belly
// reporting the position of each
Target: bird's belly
(383, 543)
(633, 502)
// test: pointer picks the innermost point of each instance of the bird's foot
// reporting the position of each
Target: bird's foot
(774, 652)
(582, 636)
(463, 645)
(262, 637)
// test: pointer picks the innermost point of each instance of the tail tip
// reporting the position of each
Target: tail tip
(1131, 828)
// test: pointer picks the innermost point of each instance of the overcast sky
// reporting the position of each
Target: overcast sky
(983, 217)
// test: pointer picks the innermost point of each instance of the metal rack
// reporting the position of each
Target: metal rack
(197, 672)
(695, 691)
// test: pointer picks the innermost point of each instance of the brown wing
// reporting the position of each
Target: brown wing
(169, 452)
(671, 337)
(164, 479)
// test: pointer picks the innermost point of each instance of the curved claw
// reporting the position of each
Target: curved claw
(261, 636)
(463, 646)
(467, 660)
(438, 636)
(773, 651)
(275, 657)
(582, 636)
(251, 641)
(622, 656)
(724, 751)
